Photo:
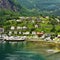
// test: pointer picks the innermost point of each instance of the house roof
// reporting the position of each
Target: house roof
(1, 30)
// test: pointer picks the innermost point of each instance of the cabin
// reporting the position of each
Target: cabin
(1, 30)
(24, 27)
(58, 36)
(47, 17)
(19, 28)
(19, 20)
(15, 32)
(26, 33)
(36, 26)
(57, 20)
(33, 21)
(10, 32)
(12, 27)
(20, 32)
(22, 18)
(40, 34)
(33, 33)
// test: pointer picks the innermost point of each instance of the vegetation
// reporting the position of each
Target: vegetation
(48, 25)
(43, 24)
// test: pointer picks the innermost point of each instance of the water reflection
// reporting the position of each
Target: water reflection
(17, 51)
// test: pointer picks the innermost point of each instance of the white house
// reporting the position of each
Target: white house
(36, 26)
(47, 17)
(33, 21)
(34, 33)
(19, 20)
(24, 27)
(58, 36)
(19, 32)
(12, 27)
(22, 18)
(26, 33)
(18, 27)
(10, 32)
(57, 20)
(43, 21)
(15, 32)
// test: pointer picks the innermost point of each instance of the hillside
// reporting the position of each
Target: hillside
(43, 6)
(9, 4)
(9, 9)
(30, 7)
(13, 7)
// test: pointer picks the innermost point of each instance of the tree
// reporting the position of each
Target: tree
(53, 22)
(53, 29)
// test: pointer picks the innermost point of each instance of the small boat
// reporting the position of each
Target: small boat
(16, 38)
(52, 51)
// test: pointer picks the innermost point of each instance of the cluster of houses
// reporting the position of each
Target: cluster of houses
(35, 21)
(19, 30)
(23, 30)
(41, 35)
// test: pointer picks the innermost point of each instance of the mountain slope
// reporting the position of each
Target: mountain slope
(31, 7)
(39, 3)
(44, 6)
(8, 4)
(9, 9)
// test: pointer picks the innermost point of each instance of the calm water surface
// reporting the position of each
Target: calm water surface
(26, 51)
(18, 51)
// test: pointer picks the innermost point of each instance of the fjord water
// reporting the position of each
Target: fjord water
(18, 51)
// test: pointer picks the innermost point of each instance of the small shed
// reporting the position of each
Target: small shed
(39, 34)
(1, 30)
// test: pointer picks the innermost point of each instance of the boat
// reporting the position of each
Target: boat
(15, 38)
